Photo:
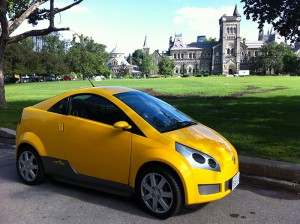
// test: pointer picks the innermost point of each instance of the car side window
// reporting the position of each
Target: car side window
(96, 108)
(60, 107)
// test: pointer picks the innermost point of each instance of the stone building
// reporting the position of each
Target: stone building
(228, 55)
(117, 63)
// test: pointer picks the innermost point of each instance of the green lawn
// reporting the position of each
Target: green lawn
(260, 116)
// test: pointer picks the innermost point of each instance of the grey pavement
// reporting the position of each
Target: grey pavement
(255, 170)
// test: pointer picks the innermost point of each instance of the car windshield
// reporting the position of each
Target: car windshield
(160, 115)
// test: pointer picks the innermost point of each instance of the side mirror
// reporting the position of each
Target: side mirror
(122, 125)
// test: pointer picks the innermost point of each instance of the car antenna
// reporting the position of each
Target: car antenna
(91, 82)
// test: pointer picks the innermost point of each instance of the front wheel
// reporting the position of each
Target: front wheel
(159, 192)
(30, 167)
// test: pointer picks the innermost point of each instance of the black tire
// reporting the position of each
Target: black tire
(159, 192)
(30, 167)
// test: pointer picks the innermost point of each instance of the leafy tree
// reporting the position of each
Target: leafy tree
(13, 13)
(123, 70)
(290, 62)
(85, 57)
(137, 57)
(210, 39)
(52, 43)
(166, 66)
(50, 63)
(282, 14)
(273, 58)
(18, 58)
(147, 66)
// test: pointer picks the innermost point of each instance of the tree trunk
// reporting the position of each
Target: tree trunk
(2, 89)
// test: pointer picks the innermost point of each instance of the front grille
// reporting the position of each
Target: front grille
(209, 189)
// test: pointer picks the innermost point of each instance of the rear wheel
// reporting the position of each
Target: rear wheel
(159, 192)
(30, 167)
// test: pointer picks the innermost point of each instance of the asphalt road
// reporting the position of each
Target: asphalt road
(53, 202)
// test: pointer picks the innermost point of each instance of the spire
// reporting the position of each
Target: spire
(145, 42)
(236, 12)
(146, 49)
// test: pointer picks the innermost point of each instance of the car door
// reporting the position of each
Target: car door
(93, 146)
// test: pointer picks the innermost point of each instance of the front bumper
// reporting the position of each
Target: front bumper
(205, 185)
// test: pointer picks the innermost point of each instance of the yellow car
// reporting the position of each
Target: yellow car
(124, 141)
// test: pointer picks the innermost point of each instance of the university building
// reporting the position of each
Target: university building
(226, 56)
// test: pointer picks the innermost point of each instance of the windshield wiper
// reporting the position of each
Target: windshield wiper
(178, 125)
(185, 123)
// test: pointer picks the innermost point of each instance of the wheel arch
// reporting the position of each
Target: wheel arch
(165, 166)
(30, 139)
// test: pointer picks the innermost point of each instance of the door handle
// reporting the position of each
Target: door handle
(61, 127)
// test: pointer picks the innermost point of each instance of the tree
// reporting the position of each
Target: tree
(290, 62)
(137, 57)
(273, 58)
(19, 57)
(52, 43)
(50, 63)
(123, 70)
(282, 14)
(166, 66)
(147, 66)
(210, 39)
(12, 14)
(85, 57)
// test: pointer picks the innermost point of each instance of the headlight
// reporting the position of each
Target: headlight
(198, 159)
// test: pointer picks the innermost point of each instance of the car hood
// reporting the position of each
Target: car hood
(203, 139)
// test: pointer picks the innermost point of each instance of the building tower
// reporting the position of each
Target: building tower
(146, 49)
(230, 40)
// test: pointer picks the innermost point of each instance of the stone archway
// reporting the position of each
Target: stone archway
(231, 68)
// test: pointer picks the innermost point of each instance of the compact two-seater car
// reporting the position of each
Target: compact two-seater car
(124, 141)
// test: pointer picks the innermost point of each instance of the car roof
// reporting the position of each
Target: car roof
(106, 91)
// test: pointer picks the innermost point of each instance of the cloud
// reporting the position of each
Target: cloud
(195, 21)
(178, 20)
(201, 20)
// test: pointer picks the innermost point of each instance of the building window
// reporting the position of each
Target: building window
(181, 55)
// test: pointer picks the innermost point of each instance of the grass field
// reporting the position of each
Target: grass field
(260, 116)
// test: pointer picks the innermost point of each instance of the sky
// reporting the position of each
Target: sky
(125, 23)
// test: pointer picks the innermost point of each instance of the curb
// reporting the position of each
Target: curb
(273, 183)
(270, 168)
(283, 175)
(263, 171)
(7, 133)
